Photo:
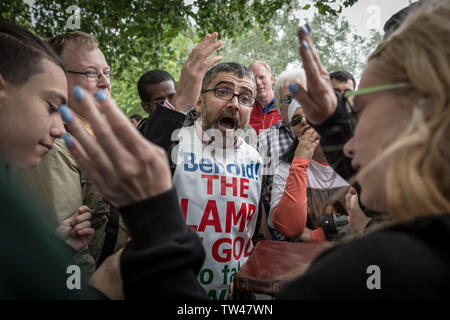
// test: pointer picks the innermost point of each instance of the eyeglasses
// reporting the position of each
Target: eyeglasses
(288, 99)
(351, 115)
(94, 76)
(384, 87)
(227, 95)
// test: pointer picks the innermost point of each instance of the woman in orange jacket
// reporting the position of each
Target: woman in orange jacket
(303, 185)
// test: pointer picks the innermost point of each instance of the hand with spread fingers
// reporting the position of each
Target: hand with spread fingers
(76, 231)
(195, 67)
(318, 99)
(125, 167)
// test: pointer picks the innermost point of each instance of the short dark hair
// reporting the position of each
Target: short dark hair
(152, 77)
(21, 53)
(237, 69)
(343, 76)
(136, 117)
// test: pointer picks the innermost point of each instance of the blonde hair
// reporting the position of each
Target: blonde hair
(261, 62)
(418, 53)
(59, 42)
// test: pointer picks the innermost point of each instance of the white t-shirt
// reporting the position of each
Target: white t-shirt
(319, 177)
(219, 191)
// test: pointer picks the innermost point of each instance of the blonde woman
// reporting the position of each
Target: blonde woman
(401, 156)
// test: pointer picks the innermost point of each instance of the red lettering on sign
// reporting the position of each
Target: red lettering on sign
(224, 249)
(248, 248)
(232, 218)
(210, 182)
(226, 252)
(184, 207)
(244, 186)
(236, 253)
(225, 185)
(251, 212)
(210, 210)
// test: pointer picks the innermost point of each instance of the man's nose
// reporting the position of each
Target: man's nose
(104, 83)
(234, 103)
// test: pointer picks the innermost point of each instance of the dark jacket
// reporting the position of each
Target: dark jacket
(406, 261)
(158, 128)
(162, 260)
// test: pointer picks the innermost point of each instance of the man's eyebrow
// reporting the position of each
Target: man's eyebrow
(53, 93)
(246, 89)
(234, 85)
(226, 82)
(91, 66)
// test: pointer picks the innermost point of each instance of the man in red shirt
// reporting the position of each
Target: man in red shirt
(265, 112)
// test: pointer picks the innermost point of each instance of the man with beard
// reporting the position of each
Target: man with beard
(216, 173)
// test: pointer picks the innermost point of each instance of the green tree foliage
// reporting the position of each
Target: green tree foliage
(338, 45)
(139, 35)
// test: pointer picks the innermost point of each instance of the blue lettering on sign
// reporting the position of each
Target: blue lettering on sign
(191, 161)
(213, 166)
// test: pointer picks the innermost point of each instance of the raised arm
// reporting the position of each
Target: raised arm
(194, 69)
(318, 99)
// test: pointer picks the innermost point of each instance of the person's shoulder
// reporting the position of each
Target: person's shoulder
(63, 154)
(142, 124)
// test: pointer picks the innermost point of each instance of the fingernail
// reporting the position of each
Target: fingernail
(66, 115)
(305, 30)
(305, 44)
(308, 26)
(68, 140)
(78, 92)
(101, 95)
(293, 88)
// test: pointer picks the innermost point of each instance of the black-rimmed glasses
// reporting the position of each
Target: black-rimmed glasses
(244, 99)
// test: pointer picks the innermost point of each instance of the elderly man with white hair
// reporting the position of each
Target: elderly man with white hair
(274, 141)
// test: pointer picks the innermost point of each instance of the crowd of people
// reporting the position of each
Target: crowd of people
(171, 206)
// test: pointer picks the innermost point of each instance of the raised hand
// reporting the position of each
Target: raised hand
(76, 231)
(318, 99)
(195, 67)
(125, 167)
(308, 140)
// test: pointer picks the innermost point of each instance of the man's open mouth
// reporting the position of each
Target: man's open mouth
(227, 123)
